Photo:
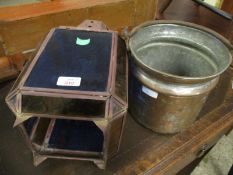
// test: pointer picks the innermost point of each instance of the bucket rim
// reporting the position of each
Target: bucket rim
(153, 71)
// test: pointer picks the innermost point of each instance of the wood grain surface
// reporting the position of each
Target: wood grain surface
(23, 27)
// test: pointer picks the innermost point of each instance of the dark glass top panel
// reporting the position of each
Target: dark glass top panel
(74, 53)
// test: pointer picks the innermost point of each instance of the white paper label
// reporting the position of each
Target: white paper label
(149, 92)
(69, 81)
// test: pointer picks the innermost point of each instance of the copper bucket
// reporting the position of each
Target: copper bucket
(173, 67)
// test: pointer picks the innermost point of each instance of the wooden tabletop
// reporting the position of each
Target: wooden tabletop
(142, 151)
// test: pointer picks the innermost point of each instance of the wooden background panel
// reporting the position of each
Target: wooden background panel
(116, 15)
(19, 36)
(227, 6)
(144, 10)
(25, 27)
(33, 10)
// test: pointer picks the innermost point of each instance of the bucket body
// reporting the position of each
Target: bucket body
(162, 112)
(173, 67)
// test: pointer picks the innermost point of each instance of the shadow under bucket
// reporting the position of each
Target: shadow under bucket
(173, 67)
